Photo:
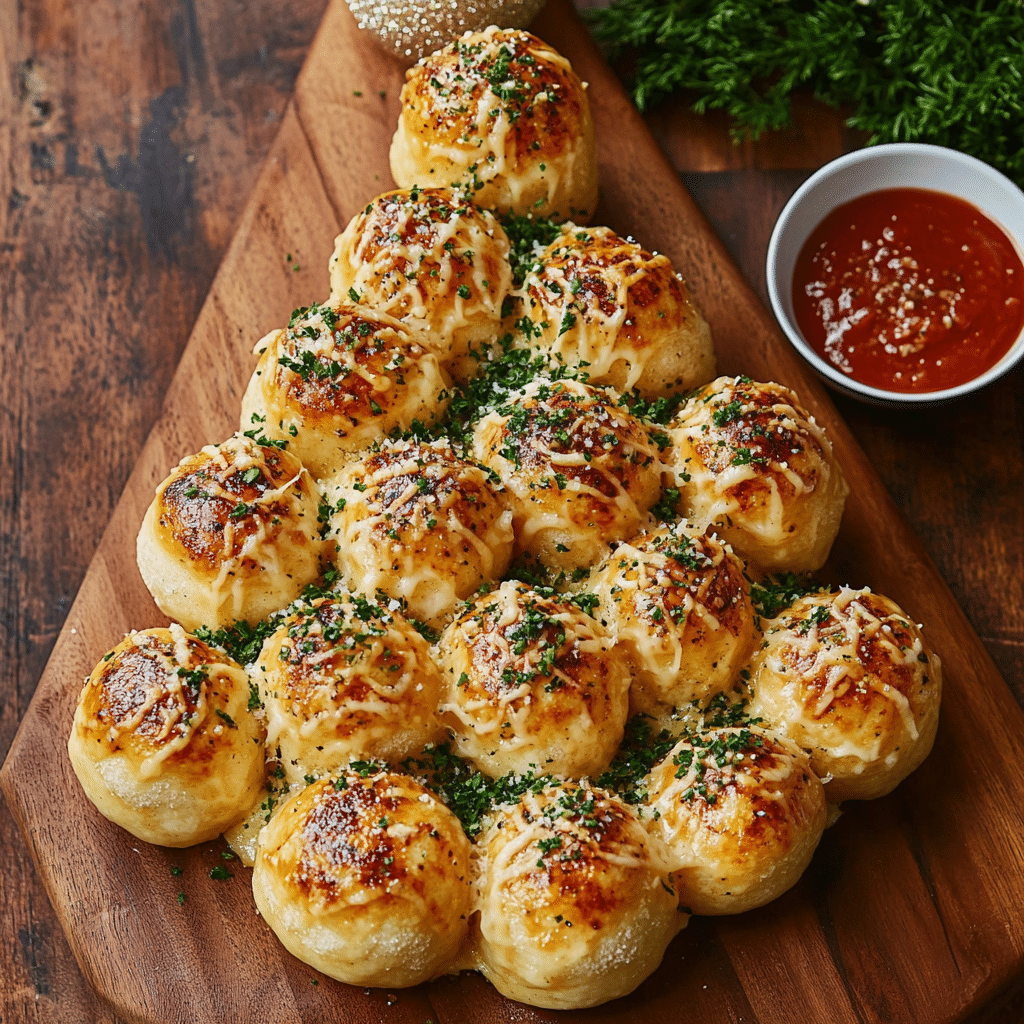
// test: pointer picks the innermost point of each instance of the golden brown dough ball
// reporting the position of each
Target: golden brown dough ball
(421, 524)
(579, 469)
(575, 905)
(532, 682)
(232, 534)
(678, 604)
(339, 378)
(433, 260)
(753, 463)
(344, 678)
(848, 677)
(366, 879)
(502, 114)
(741, 813)
(603, 301)
(163, 741)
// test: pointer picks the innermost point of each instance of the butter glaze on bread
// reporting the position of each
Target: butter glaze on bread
(605, 303)
(504, 116)
(366, 878)
(433, 260)
(849, 677)
(339, 378)
(163, 742)
(575, 903)
(578, 469)
(532, 682)
(752, 463)
(418, 522)
(678, 603)
(741, 813)
(346, 679)
(231, 534)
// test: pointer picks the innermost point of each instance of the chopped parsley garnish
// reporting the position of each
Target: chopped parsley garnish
(468, 792)
(667, 509)
(774, 594)
(241, 641)
(640, 751)
(526, 235)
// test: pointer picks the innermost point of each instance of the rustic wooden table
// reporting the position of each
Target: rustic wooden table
(132, 134)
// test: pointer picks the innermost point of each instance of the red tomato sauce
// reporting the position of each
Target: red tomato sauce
(909, 290)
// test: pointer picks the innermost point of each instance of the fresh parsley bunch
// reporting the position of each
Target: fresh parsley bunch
(949, 72)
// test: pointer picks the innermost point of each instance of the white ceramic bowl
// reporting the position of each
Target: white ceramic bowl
(897, 165)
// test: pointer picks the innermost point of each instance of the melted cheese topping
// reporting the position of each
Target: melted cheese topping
(532, 682)
(754, 464)
(420, 524)
(163, 741)
(366, 879)
(741, 814)
(849, 677)
(343, 680)
(678, 603)
(503, 115)
(575, 907)
(232, 534)
(434, 261)
(579, 470)
(338, 379)
(604, 302)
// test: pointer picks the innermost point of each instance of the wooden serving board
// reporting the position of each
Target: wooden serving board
(912, 906)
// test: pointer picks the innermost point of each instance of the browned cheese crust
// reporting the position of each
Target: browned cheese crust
(578, 469)
(339, 378)
(163, 741)
(753, 463)
(848, 677)
(421, 524)
(678, 603)
(575, 905)
(603, 301)
(231, 534)
(346, 678)
(433, 260)
(532, 682)
(366, 878)
(504, 116)
(741, 813)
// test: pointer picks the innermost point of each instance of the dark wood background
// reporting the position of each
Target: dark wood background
(131, 134)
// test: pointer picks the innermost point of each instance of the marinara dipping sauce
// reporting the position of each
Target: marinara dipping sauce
(909, 290)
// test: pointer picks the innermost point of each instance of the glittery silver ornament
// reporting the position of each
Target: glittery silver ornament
(411, 29)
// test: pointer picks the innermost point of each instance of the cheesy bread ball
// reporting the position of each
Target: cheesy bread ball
(346, 679)
(678, 603)
(433, 260)
(578, 468)
(575, 904)
(848, 677)
(503, 115)
(163, 741)
(421, 524)
(232, 534)
(532, 682)
(602, 301)
(338, 379)
(741, 812)
(366, 879)
(753, 463)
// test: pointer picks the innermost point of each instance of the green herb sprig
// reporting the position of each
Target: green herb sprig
(949, 73)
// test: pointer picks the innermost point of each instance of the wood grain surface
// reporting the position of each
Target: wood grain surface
(133, 134)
